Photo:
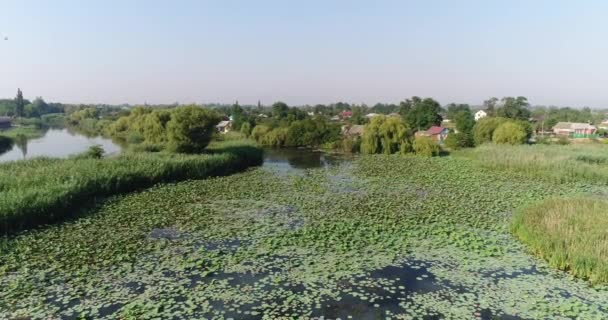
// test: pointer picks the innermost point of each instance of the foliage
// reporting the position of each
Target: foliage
(6, 144)
(43, 190)
(190, 129)
(259, 132)
(94, 152)
(386, 135)
(462, 116)
(19, 103)
(483, 131)
(514, 108)
(425, 146)
(246, 129)
(311, 133)
(459, 140)
(420, 114)
(510, 133)
(569, 233)
(351, 144)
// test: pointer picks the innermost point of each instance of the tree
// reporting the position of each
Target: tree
(420, 114)
(425, 146)
(484, 129)
(246, 129)
(514, 108)
(386, 135)
(190, 128)
(490, 106)
(19, 103)
(259, 132)
(462, 116)
(280, 110)
(459, 140)
(511, 133)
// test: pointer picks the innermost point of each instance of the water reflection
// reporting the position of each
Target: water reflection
(286, 159)
(56, 143)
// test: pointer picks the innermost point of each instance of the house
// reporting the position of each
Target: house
(371, 115)
(335, 118)
(603, 125)
(224, 126)
(437, 133)
(311, 114)
(5, 122)
(354, 130)
(480, 114)
(574, 129)
(346, 114)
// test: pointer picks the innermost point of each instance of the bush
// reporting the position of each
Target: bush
(351, 144)
(459, 140)
(135, 138)
(6, 144)
(425, 146)
(246, 129)
(483, 131)
(43, 190)
(561, 140)
(94, 152)
(191, 128)
(259, 132)
(510, 133)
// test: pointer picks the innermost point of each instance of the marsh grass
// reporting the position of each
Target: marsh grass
(28, 131)
(41, 191)
(586, 163)
(570, 233)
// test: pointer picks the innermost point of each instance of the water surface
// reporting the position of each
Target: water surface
(57, 143)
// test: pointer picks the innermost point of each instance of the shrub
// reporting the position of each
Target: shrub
(510, 133)
(135, 138)
(483, 131)
(459, 140)
(351, 144)
(259, 132)
(190, 129)
(94, 152)
(561, 140)
(246, 129)
(6, 144)
(425, 146)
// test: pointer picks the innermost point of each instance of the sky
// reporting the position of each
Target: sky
(305, 52)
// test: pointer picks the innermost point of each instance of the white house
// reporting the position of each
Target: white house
(224, 126)
(480, 114)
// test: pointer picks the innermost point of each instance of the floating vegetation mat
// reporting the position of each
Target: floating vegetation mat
(382, 237)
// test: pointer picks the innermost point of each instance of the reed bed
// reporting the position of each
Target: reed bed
(41, 191)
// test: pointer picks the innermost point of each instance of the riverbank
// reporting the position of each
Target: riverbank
(42, 191)
(380, 236)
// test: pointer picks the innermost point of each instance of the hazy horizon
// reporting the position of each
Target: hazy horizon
(315, 52)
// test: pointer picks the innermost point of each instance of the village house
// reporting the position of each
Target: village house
(574, 129)
(5, 122)
(437, 133)
(480, 114)
(371, 115)
(346, 114)
(354, 130)
(224, 126)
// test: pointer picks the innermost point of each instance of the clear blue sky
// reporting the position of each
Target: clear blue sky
(553, 52)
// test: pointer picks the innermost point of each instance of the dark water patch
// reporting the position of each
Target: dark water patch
(166, 233)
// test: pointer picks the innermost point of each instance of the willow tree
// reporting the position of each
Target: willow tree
(386, 135)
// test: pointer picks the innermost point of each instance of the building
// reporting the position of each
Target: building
(5, 122)
(224, 126)
(480, 114)
(346, 114)
(574, 129)
(437, 133)
(371, 115)
(354, 130)
(603, 125)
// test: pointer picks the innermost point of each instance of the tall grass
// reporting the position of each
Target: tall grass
(560, 164)
(41, 191)
(571, 234)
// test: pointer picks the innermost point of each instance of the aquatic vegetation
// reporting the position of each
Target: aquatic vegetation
(40, 191)
(386, 236)
(570, 233)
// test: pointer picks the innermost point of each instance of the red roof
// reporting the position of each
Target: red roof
(347, 113)
(435, 130)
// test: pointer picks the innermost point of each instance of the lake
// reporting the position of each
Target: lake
(57, 143)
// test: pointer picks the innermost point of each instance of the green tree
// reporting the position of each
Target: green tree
(259, 132)
(425, 146)
(490, 106)
(509, 132)
(484, 129)
(246, 129)
(19, 103)
(462, 116)
(280, 110)
(420, 114)
(386, 135)
(459, 140)
(190, 129)
(514, 108)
